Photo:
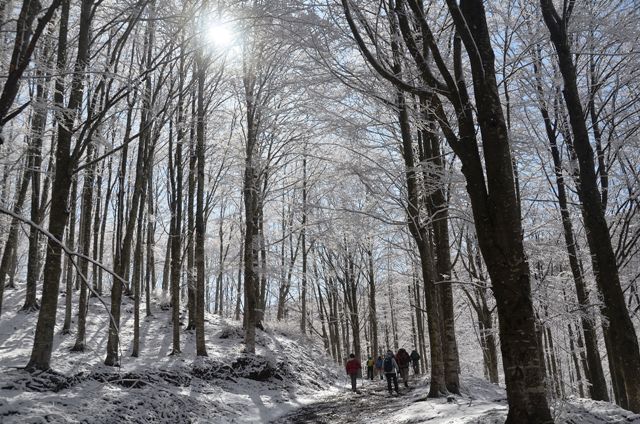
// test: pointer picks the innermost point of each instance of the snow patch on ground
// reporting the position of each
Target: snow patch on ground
(229, 386)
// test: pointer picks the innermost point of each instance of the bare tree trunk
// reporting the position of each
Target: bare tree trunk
(303, 240)
(239, 290)
(423, 240)
(103, 227)
(218, 288)
(191, 199)
(38, 126)
(594, 374)
(150, 273)
(84, 247)
(43, 339)
(166, 268)
(438, 208)
(68, 274)
(175, 235)
(574, 357)
(417, 296)
(136, 279)
(251, 208)
(373, 319)
(201, 349)
(11, 245)
(624, 342)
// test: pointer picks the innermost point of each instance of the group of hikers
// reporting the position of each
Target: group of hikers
(389, 366)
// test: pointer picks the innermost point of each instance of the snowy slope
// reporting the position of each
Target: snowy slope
(228, 386)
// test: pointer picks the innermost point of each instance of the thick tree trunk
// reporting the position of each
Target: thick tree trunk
(175, 236)
(251, 236)
(43, 340)
(434, 183)
(421, 236)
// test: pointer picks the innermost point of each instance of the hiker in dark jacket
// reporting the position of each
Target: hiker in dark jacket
(353, 366)
(390, 367)
(403, 360)
(379, 363)
(415, 357)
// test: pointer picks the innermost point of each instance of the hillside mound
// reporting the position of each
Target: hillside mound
(227, 386)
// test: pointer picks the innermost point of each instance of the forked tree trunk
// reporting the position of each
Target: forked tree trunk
(420, 233)
(435, 184)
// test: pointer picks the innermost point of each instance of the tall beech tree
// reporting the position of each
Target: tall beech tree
(43, 341)
(594, 372)
(623, 342)
(490, 182)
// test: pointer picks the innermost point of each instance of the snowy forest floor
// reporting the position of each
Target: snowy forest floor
(289, 380)
(480, 403)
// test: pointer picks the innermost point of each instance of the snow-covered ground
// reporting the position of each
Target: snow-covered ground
(480, 403)
(289, 370)
(290, 380)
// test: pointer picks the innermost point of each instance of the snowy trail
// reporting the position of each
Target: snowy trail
(372, 402)
(481, 403)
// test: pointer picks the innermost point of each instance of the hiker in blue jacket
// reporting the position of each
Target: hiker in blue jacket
(390, 368)
(379, 364)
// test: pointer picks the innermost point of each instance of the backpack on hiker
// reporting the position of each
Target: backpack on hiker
(388, 365)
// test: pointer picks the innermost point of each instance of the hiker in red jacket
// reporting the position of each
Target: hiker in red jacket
(403, 359)
(353, 366)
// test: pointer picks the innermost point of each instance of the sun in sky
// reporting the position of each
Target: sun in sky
(220, 34)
